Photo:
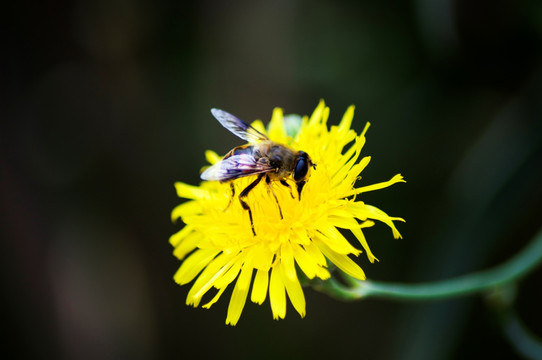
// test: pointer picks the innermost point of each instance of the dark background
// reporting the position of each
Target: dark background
(105, 105)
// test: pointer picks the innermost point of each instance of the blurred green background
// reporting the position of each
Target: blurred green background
(106, 104)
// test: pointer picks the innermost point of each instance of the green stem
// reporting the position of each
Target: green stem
(477, 282)
(523, 340)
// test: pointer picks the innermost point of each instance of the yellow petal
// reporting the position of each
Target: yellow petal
(361, 238)
(323, 274)
(214, 270)
(287, 259)
(258, 125)
(187, 208)
(346, 121)
(214, 299)
(187, 245)
(193, 265)
(342, 173)
(351, 150)
(212, 157)
(397, 178)
(176, 238)
(343, 222)
(365, 129)
(277, 132)
(325, 116)
(277, 294)
(229, 275)
(317, 114)
(190, 192)
(239, 295)
(293, 287)
(261, 257)
(259, 287)
(336, 241)
(314, 252)
(343, 262)
(307, 264)
(377, 214)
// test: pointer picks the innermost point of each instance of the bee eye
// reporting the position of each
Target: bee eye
(301, 169)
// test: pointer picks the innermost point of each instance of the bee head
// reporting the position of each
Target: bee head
(302, 166)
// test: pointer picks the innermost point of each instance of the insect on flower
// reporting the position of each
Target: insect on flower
(262, 157)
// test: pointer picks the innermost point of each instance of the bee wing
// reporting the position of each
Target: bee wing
(235, 167)
(238, 126)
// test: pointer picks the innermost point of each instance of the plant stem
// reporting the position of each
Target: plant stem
(510, 271)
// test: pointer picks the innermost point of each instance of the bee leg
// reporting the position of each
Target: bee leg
(244, 194)
(300, 187)
(268, 181)
(231, 198)
(283, 182)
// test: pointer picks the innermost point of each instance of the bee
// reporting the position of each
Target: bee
(262, 157)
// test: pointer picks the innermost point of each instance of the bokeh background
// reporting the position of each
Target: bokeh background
(105, 105)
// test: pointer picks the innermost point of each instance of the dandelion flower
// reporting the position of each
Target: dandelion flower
(219, 248)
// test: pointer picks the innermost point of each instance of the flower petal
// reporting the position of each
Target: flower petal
(277, 131)
(343, 262)
(277, 294)
(176, 238)
(287, 259)
(336, 241)
(215, 299)
(239, 295)
(361, 238)
(193, 265)
(187, 208)
(293, 287)
(189, 191)
(212, 157)
(314, 252)
(308, 265)
(397, 178)
(214, 270)
(187, 245)
(377, 214)
(317, 114)
(259, 287)
(258, 125)
(346, 121)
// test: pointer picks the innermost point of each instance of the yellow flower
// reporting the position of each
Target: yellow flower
(217, 244)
